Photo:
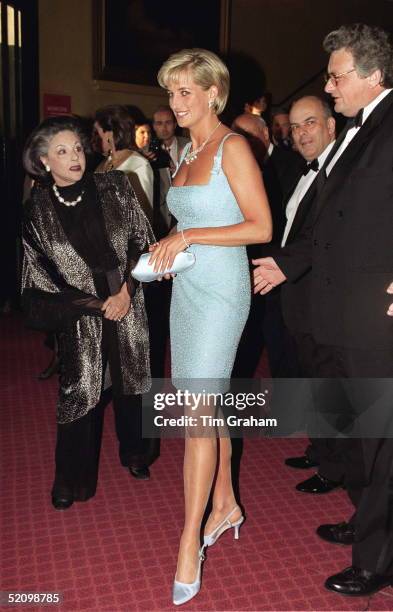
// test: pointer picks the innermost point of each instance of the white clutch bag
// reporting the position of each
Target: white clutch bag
(145, 273)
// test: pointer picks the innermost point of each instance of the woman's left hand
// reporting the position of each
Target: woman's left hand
(117, 306)
(165, 251)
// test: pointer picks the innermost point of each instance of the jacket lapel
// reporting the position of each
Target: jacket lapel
(353, 151)
(302, 211)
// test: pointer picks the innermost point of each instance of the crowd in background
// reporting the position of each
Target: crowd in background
(329, 335)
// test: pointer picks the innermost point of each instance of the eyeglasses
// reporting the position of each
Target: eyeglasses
(334, 78)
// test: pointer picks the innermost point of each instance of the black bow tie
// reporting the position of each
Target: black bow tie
(357, 120)
(313, 165)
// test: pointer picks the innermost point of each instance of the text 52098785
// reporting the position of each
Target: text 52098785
(21, 598)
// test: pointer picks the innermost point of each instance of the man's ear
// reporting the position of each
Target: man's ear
(331, 124)
(375, 78)
(266, 136)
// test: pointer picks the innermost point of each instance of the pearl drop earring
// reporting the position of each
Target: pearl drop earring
(211, 103)
(47, 168)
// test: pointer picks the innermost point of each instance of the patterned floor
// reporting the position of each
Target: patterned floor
(117, 552)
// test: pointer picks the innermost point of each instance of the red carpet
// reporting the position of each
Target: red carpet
(117, 552)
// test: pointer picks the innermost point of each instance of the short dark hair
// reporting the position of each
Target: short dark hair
(370, 46)
(165, 109)
(116, 118)
(327, 111)
(279, 110)
(37, 143)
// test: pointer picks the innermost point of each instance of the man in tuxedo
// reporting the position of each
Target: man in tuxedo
(280, 169)
(349, 250)
(313, 132)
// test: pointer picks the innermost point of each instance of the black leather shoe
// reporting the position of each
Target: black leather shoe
(60, 503)
(50, 370)
(340, 533)
(317, 484)
(300, 463)
(357, 582)
(141, 473)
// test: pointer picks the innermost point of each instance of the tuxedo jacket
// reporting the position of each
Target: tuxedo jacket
(349, 244)
(281, 171)
(295, 296)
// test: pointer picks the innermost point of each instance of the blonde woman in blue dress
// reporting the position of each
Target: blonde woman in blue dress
(219, 200)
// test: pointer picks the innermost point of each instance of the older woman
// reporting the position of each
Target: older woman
(218, 197)
(116, 130)
(82, 235)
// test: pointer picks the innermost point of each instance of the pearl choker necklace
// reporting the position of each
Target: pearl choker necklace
(63, 201)
(192, 155)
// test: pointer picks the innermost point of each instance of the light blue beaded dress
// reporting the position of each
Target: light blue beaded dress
(211, 301)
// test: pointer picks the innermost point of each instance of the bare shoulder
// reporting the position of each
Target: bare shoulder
(235, 144)
(235, 147)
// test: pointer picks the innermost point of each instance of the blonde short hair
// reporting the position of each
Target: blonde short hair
(207, 69)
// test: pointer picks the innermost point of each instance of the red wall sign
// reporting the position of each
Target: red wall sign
(56, 105)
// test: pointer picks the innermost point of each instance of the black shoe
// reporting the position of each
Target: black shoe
(357, 582)
(317, 484)
(340, 533)
(141, 473)
(50, 370)
(60, 503)
(300, 463)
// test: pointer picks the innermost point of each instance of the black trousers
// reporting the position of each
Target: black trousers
(281, 349)
(314, 362)
(373, 517)
(364, 463)
(265, 327)
(79, 442)
(157, 301)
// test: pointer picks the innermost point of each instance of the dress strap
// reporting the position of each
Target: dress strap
(182, 156)
(218, 156)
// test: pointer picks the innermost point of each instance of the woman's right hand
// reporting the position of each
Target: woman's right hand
(164, 252)
(165, 276)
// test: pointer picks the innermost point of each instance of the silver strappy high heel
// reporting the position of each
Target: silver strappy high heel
(184, 591)
(209, 540)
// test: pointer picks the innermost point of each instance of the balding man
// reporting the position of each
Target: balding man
(313, 132)
(254, 128)
(280, 169)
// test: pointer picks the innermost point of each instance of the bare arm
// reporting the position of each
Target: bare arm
(246, 182)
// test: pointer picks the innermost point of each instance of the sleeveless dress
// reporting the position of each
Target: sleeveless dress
(211, 301)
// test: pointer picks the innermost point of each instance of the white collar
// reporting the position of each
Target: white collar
(324, 154)
(367, 110)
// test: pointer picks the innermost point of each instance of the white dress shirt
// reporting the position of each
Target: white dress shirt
(350, 135)
(301, 189)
